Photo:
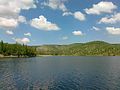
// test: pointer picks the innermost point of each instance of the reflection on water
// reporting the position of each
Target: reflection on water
(60, 73)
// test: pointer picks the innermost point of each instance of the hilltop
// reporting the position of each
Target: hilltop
(94, 48)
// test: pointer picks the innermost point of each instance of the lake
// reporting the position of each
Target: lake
(60, 73)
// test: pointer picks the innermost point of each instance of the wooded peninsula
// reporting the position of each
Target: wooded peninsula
(16, 50)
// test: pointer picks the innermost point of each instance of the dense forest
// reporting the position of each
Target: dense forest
(95, 48)
(16, 50)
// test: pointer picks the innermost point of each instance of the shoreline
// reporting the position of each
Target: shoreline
(12, 56)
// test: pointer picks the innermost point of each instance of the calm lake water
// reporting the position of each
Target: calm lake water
(60, 73)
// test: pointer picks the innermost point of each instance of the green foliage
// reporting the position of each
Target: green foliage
(95, 48)
(17, 50)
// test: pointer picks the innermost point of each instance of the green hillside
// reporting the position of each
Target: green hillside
(95, 48)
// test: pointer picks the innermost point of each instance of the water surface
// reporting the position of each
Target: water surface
(60, 73)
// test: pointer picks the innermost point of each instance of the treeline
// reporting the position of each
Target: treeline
(17, 50)
(95, 48)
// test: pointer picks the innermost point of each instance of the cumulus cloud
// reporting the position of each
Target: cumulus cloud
(113, 19)
(10, 10)
(77, 15)
(67, 13)
(8, 23)
(80, 16)
(42, 24)
(113, 30)
(27, 34)
(95, 28)
(56, 4)
(9, 32)
(22, 19)
(77, 33)
(101, 7)
(59, 4)
(22, 40)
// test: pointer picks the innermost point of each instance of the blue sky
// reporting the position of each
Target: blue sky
(37, 22)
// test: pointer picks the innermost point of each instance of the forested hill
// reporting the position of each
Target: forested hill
(95, 48)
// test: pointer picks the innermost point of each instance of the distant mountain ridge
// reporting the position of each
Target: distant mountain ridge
(94, 48)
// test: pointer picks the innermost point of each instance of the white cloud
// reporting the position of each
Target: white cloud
(27, 34)
(77, 15)
(8, 23)
(113, 30)
(113, 19)
(56, 4)
(42, 24)
(9, 32)
(26, 4)
(77, 33)
(95, 28)
(64, 38)
(80, 16)
(101, 7)
(10, 10)
(22, 19)
(67, 14)
(22, 40)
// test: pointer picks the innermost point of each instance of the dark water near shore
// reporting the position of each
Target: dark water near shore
(60, 73)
